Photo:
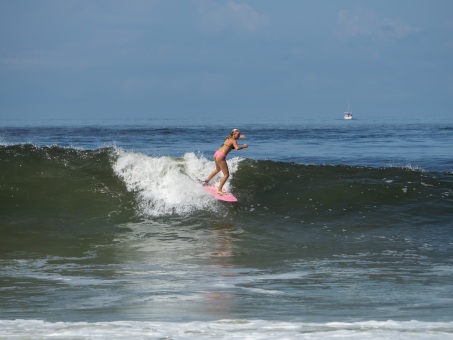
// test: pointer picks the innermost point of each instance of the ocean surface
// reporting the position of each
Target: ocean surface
(343, 230)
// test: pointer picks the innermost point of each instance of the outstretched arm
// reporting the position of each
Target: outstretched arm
(239, 147)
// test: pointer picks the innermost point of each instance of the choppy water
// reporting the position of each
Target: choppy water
(342, 229)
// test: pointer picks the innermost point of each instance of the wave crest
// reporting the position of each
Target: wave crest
(166, 185)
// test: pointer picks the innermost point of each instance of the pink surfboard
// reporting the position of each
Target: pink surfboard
(227, 197)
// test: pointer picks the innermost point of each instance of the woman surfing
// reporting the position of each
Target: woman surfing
(229, 144)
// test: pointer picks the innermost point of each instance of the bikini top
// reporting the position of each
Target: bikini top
(228, 146)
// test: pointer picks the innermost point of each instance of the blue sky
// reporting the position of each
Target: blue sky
(197, 58)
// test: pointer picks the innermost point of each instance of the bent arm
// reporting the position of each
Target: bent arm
(239, 147)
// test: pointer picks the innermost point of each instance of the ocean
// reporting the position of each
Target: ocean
(342, 230)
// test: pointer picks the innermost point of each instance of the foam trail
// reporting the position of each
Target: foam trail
(228, 329)
(167, 185)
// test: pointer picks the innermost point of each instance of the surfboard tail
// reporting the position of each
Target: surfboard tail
(227, 196)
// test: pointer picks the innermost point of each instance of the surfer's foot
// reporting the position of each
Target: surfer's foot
(204, 183)
(221, 193)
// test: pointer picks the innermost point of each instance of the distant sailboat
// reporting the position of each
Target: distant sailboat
(348, 114)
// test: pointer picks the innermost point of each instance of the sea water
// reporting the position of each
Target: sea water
(343, 229)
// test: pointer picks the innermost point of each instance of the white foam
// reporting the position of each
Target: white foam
(226, 329)
(409, 167)
(166, 185)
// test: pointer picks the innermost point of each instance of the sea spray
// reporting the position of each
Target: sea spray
(168, 185)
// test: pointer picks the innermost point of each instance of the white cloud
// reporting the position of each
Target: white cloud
(396, 28)
(232, 15)
(362, 23)
(355, 23)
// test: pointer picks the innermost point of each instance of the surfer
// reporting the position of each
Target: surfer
(229, 144)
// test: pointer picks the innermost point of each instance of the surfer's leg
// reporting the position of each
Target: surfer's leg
(226, 173)
(213, 173)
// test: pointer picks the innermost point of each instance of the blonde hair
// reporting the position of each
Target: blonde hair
(232, 133)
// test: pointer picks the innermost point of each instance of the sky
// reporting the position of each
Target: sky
(145, 59)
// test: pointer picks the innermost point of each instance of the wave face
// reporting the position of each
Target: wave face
(111, 185)
(55, 182)
(326, 193)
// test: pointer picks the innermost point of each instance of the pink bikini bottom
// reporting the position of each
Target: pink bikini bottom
(218, 153)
